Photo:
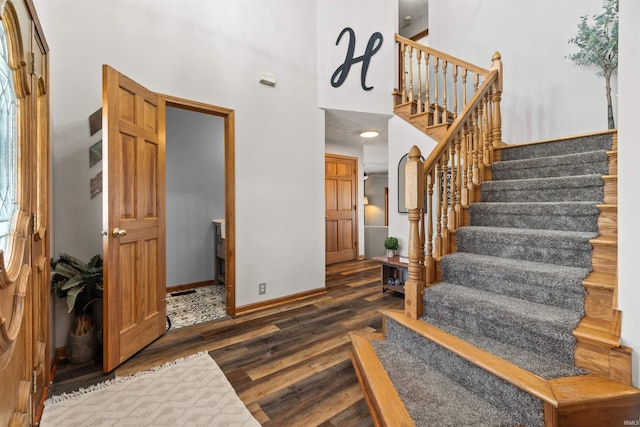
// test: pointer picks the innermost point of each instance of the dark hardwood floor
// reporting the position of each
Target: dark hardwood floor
(289, 364)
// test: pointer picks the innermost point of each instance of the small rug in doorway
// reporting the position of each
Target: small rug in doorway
(191, 391)
(197, 305)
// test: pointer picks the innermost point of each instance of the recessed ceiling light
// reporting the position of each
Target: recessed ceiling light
(369, 133)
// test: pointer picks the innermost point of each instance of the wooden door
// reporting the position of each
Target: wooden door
(134, 200)
(24, 214)
(341, 219)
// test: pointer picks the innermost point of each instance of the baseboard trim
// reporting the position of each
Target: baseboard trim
(279, 301)
(187, 286)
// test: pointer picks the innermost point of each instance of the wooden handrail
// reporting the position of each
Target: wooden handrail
(458, 122)
(448, 179)
(445, 56)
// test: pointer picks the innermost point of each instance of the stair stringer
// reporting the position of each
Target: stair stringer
(598, 347)
(586, 400)
(424, 121)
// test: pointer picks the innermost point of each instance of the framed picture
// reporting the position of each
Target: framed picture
(95, 153)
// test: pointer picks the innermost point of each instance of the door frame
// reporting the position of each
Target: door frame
(229, 186)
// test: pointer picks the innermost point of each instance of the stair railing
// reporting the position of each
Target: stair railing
(439, 190)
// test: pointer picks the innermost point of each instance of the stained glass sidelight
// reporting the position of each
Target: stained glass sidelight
(8, 143)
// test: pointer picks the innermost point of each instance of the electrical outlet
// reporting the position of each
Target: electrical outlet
(262, 288)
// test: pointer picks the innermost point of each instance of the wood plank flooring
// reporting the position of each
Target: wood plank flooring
(289, 364)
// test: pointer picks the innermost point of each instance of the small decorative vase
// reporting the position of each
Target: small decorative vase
(391, 253)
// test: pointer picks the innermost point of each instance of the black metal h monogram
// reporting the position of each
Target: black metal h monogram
(341, 73)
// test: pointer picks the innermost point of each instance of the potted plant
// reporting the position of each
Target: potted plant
(391, 245)
(80, 284)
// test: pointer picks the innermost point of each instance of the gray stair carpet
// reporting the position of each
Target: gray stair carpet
(556, 189)
(568, 216)
(589, 163)
(427, 393)
(514, 286)
(554, 285)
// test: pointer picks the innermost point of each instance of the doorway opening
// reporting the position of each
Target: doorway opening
(199, 193)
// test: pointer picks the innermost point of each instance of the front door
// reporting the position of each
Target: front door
(134, 224)
(341, 219)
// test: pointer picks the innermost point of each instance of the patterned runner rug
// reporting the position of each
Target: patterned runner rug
(191, 391)
(197, 305)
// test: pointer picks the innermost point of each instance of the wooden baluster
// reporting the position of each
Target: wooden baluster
(464, 88)
(427, 102)
(467, 186)
(453, 194)
(455, 92)
(438, 202)
(476, 83)
(487, 137)
(420, 109)
(430, 273)
(445, 203)
(445, 116)
(403, 76)
(436, 65)
(496, 94)
(478, 158)
(423, 271)
(460, 188)
(410, 74)
(414, 201)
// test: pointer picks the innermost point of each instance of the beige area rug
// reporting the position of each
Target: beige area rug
(187, 392)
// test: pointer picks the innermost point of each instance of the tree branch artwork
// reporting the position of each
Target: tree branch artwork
(597, 40)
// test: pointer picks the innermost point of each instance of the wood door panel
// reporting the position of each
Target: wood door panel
(127, 176)
(150, 180)
(345, 200)
(340, 209)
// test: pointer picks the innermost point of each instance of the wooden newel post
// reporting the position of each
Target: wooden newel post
(414, 202)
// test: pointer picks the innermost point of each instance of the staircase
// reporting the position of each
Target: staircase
(518, 322)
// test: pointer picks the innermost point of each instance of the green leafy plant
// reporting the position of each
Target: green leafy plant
(391, 243)
(79, 284)
(597, 40)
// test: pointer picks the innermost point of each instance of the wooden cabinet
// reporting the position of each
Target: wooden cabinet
(393, 273)
(220, 254)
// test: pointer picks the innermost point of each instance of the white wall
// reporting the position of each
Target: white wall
(545, 95)
(210, 52)
(353, 150)
(374, 189)
(402, 136)
(365, 17)
(195, 193)
(628, 177)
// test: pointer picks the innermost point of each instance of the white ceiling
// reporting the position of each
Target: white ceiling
(344, 127)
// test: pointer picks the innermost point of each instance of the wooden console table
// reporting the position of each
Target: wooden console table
(392, 270)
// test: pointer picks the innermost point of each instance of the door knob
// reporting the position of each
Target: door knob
(117, 232)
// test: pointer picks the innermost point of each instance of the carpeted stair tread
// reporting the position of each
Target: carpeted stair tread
(587, 163)
(431, 398)
(567, 216)
(482, 379)
(535, 363)
(571, 248)
(557, 147)
(554, 189)
(556, 285)
(531, 326)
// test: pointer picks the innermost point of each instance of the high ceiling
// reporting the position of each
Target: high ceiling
(344, 127)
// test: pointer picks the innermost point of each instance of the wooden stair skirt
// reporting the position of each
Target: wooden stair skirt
(588, 400)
